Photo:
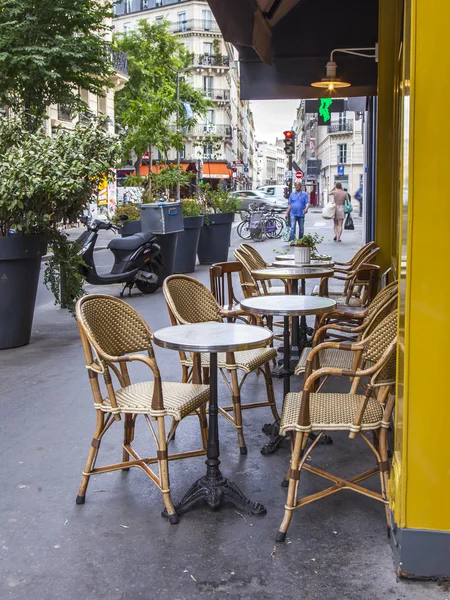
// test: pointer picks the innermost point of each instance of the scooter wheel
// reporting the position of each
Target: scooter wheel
(148, 288)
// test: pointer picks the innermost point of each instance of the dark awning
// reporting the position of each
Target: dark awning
(282, 50)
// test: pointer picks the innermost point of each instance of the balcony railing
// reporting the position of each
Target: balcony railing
(210, 60)
(64, 113)
(120, 61)
(215, 94)
(343, 127)
(194, 25)
(212, 129)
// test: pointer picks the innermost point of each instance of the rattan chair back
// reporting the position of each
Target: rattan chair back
(221, 280)
(377, 346)
(249, 285)
(190, 301)
(112, 326)
(385, 295)
(256, 257)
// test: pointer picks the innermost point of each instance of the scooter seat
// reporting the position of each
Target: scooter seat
(132, 242)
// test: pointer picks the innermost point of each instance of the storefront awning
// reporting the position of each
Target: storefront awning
(156, 168)
(284, 45)
(216, 171)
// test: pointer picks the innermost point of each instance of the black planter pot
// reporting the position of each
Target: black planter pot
(215, 239)
(130, 228)
(168, 244)
(186, 253)
(20, 262)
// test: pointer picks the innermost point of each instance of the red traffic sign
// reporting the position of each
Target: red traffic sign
(299, 175)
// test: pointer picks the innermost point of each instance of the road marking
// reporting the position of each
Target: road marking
(319, 224)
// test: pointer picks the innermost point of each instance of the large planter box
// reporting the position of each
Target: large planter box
(20, 263)
(130, 228)
(187, 245)
(162, 217)
(168, 244)
(215, 239)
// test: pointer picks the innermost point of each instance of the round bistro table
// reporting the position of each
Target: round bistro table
(285, 306)
(295, 274)
(213, 338)
(292, 264)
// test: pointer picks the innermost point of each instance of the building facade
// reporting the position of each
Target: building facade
(271, 163)
(224, 138)
(338, 146)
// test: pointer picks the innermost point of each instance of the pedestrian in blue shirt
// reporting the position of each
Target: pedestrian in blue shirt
(297, 209)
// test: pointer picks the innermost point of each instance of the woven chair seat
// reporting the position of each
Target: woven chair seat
(247, 360)
(180, 399)
(330, 412)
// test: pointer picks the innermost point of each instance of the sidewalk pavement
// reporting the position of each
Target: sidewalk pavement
(117, 546)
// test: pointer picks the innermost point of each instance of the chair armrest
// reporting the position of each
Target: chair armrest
(157, 398)
(320, 333)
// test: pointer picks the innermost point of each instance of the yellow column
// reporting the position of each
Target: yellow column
(420, 485)
(390, 12)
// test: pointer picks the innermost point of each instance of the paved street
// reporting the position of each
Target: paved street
(116, 546)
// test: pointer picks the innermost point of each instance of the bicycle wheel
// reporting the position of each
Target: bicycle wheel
(244, 214)
(274, 227)
(243, 230)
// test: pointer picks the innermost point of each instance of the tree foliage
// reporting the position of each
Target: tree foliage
(147, 105)
(49, 50)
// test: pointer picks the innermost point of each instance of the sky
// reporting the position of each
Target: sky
(272, 117)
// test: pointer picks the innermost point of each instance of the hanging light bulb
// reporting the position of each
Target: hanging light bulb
(331, 82)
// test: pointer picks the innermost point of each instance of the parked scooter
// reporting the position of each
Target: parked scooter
(137, 258)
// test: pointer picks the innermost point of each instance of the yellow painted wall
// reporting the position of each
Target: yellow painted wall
(420, 482)
(427, 338)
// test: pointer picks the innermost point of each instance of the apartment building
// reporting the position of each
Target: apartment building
(271, 163)
(338, 146)
(224, 138)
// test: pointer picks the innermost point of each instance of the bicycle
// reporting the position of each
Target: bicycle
(260, 225)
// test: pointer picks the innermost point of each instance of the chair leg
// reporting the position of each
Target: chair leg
(128, 434)
(163, 464)
(173, 429)
(92, 457)
(292, 489)
(238, 411)
(270, 393)
(184, 374)
(384, 469)
(205, 376)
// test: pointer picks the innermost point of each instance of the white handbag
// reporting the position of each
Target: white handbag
(329, 210)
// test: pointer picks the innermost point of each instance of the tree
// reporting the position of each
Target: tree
(146, 106)
(49, 50)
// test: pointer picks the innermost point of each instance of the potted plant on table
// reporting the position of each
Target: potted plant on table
(220, 208)
(46, 182)
(187, 245)
(304, 247)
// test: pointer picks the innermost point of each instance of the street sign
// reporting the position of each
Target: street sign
(295, 166)
(288, 174)
(341, 170)
(246, 169)
(299, 175)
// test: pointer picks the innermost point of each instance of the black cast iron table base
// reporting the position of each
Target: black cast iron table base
(214, 491)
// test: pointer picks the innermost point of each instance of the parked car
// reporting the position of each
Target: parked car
(250, 199)
(276, 196)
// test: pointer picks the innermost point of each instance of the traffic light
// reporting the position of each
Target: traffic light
(289, 142)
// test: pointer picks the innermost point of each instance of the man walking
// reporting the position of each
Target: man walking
(297, 209)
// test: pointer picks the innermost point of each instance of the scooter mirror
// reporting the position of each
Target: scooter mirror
(123, 217)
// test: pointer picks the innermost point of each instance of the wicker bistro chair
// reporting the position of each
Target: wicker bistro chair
(221, 282)
(362, 287)
(189, 301)
(307, 412)
(252, 261)
(359, 256)
(340, 359)
(111, 334)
